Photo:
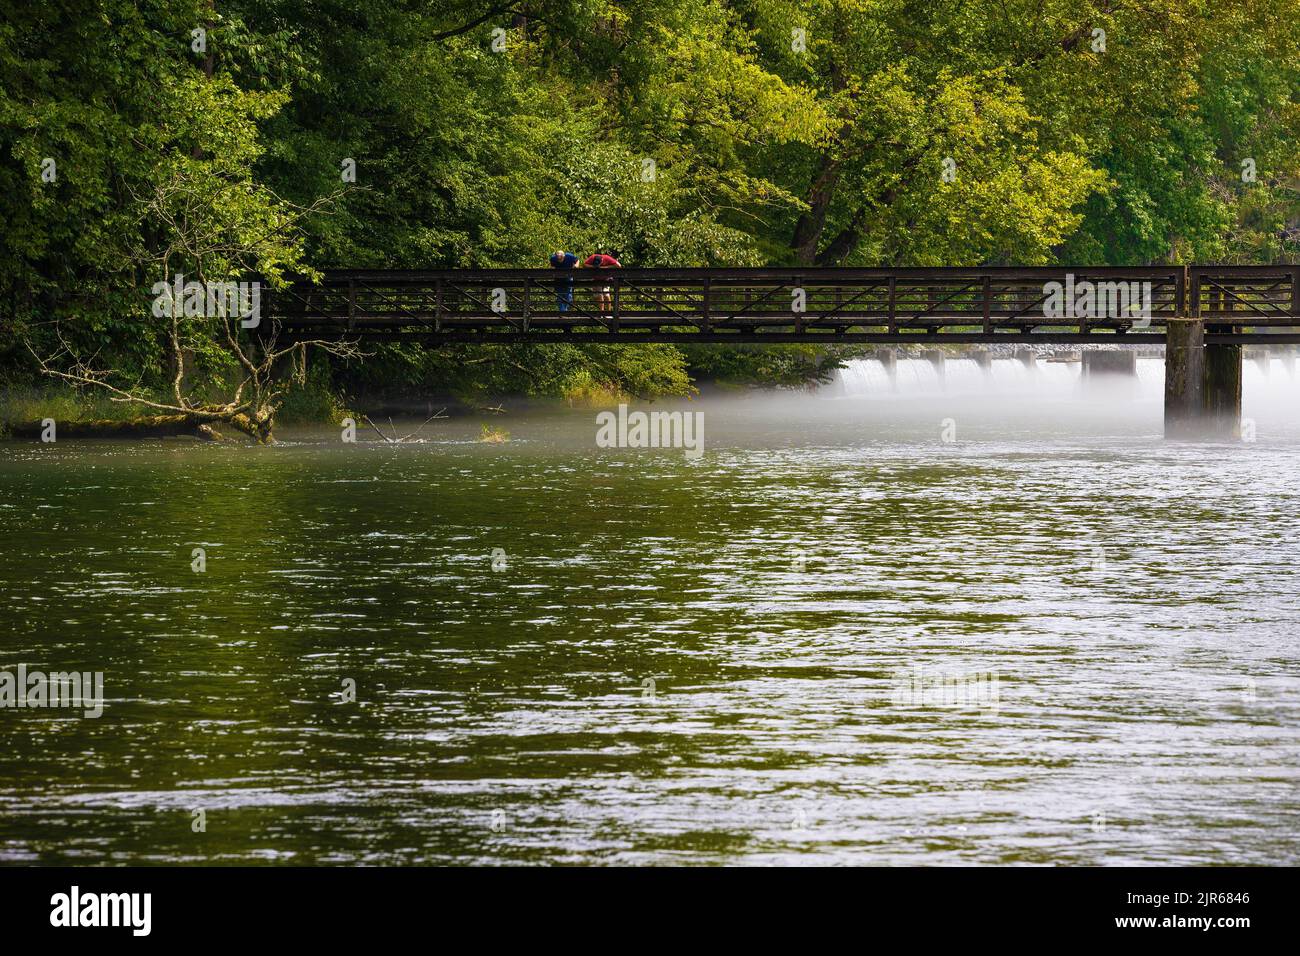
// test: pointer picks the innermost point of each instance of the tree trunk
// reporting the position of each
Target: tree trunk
(257, 426)
(150, 426)
(844, 243)
(808, 230)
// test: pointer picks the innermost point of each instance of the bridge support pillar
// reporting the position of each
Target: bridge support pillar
(1026, 357)
(1202, 384)
(1184, 378)
(1223, 390)
(983, 360)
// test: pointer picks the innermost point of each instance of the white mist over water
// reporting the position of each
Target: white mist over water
(1270, 388)
(1274, 379)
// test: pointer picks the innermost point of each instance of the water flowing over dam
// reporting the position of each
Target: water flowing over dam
(1266, 378)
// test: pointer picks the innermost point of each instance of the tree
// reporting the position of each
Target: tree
(180, 199)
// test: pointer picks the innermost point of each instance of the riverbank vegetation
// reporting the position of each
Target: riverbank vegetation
(142, 139)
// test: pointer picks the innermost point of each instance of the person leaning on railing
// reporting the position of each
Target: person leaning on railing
(603, 292)
(564, 287)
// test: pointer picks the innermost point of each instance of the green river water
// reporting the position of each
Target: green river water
(668, 660)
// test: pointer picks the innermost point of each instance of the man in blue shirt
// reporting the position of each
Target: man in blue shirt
(564, 287)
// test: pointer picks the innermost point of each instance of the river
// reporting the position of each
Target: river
(995, 621)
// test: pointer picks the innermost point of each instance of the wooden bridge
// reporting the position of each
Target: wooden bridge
(1238, 304)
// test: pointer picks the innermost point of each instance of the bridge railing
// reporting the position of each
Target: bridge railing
(1249, 295)
(751, 304)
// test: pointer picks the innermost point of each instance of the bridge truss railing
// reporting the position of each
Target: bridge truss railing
(784, 304)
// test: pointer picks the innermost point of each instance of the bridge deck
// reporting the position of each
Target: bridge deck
(1005, 304)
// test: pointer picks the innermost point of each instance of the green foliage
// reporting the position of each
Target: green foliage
(59, 402)
(785, 365)
(124, 165)
(316, 400)
(672, 132)
(477, 374)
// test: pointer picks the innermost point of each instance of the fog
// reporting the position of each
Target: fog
(1009, 400)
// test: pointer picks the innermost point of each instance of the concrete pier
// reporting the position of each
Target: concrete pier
(1184, 378)
(888, 357)
(1113, 371)
(936, 358)
(1026, 357)
(982, 358)
(1202, 384)
(1223, 391)
(1109, 363)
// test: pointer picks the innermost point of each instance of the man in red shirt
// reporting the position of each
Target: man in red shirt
(602, 261)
